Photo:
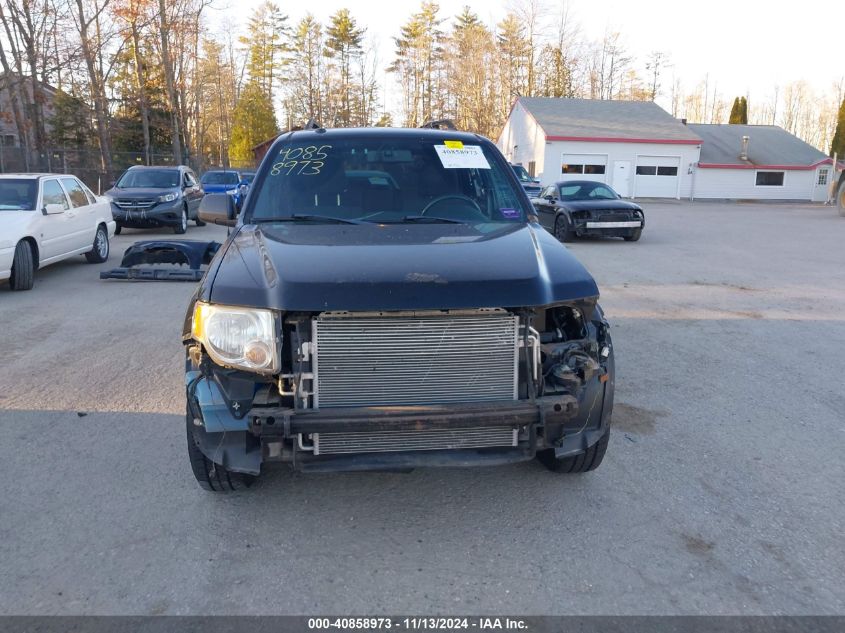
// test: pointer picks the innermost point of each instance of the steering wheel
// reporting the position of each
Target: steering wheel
(452, 196)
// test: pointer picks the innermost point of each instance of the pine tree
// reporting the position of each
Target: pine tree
(736, 112)
(266, 46)
(837, 146)
(343, 43)
(743, 111)
(254, 122)
(419, 65)
(307, 73)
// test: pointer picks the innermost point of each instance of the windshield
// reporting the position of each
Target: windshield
(18, 194)
(152, 178)
(387, 179)
(220, 178)
(522, 173)
(587, 191)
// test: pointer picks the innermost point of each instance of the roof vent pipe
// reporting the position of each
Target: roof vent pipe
(743, 154)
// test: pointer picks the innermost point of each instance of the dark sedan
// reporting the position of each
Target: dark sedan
(575, 208)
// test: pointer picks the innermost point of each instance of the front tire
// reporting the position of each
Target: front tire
(634, 236)
(586, 461)
(23, 267)
(118, 228)
(100, 250)
(211, 476)
(182, 227)
(562, 231)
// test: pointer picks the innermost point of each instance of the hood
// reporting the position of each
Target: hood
(218, 188)
(320, 267)
(587, 205)
(141, 192)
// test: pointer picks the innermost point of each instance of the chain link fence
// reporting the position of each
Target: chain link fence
(86, 164)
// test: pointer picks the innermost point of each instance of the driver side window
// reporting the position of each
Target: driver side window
(54, 194)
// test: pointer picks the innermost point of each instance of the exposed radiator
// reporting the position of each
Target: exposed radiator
(415, 359)
(413, 440)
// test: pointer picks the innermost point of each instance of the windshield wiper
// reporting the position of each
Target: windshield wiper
(431, 218)
(305, 217)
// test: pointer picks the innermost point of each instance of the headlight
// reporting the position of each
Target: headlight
(168, 197)
(237, 337)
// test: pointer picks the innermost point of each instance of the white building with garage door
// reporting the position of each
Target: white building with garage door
(759, 162)
(635, 146)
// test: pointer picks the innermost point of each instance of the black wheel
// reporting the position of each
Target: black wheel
(562, 230)
(182, 227)
(118, 228)
(586, 461)
(634, 236)
(199, 222)
(211, 476)
(23, 267)
(100, 250)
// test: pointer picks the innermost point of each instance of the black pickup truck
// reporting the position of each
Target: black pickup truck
(386, 300)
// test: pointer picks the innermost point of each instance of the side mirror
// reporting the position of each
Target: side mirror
(54, 208)
(550, 198)
(218, 208)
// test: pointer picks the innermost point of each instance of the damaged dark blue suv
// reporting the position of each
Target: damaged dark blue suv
(387, 300)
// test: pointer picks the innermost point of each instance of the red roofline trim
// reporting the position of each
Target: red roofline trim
(778, 167)
(599, 139)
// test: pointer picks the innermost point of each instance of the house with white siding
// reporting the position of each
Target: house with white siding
(759, 162)
(642, 151)
(635, 146)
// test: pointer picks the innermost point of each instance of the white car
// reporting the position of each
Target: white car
(45, 218)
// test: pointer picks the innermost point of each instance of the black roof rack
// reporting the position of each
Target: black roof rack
(440, 124)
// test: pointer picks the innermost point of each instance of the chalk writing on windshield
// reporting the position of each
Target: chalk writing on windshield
(300, 161)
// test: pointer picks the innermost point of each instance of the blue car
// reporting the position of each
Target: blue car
(235, 183)
(530, 184)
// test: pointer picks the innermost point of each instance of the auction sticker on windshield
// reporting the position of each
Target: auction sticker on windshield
(467, 157)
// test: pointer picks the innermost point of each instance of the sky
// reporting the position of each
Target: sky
(746, 46)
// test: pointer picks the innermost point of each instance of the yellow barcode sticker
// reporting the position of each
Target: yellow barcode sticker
(453, 144)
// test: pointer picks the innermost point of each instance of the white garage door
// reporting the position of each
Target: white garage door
(584, 167)
(657, 176)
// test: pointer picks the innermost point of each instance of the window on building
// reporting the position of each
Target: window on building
(591, 169)
(646, 170)
(8, 140)
(822, 177)
(770, 178)
(667, 171)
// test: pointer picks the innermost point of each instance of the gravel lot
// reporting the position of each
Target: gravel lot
(722, 491)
